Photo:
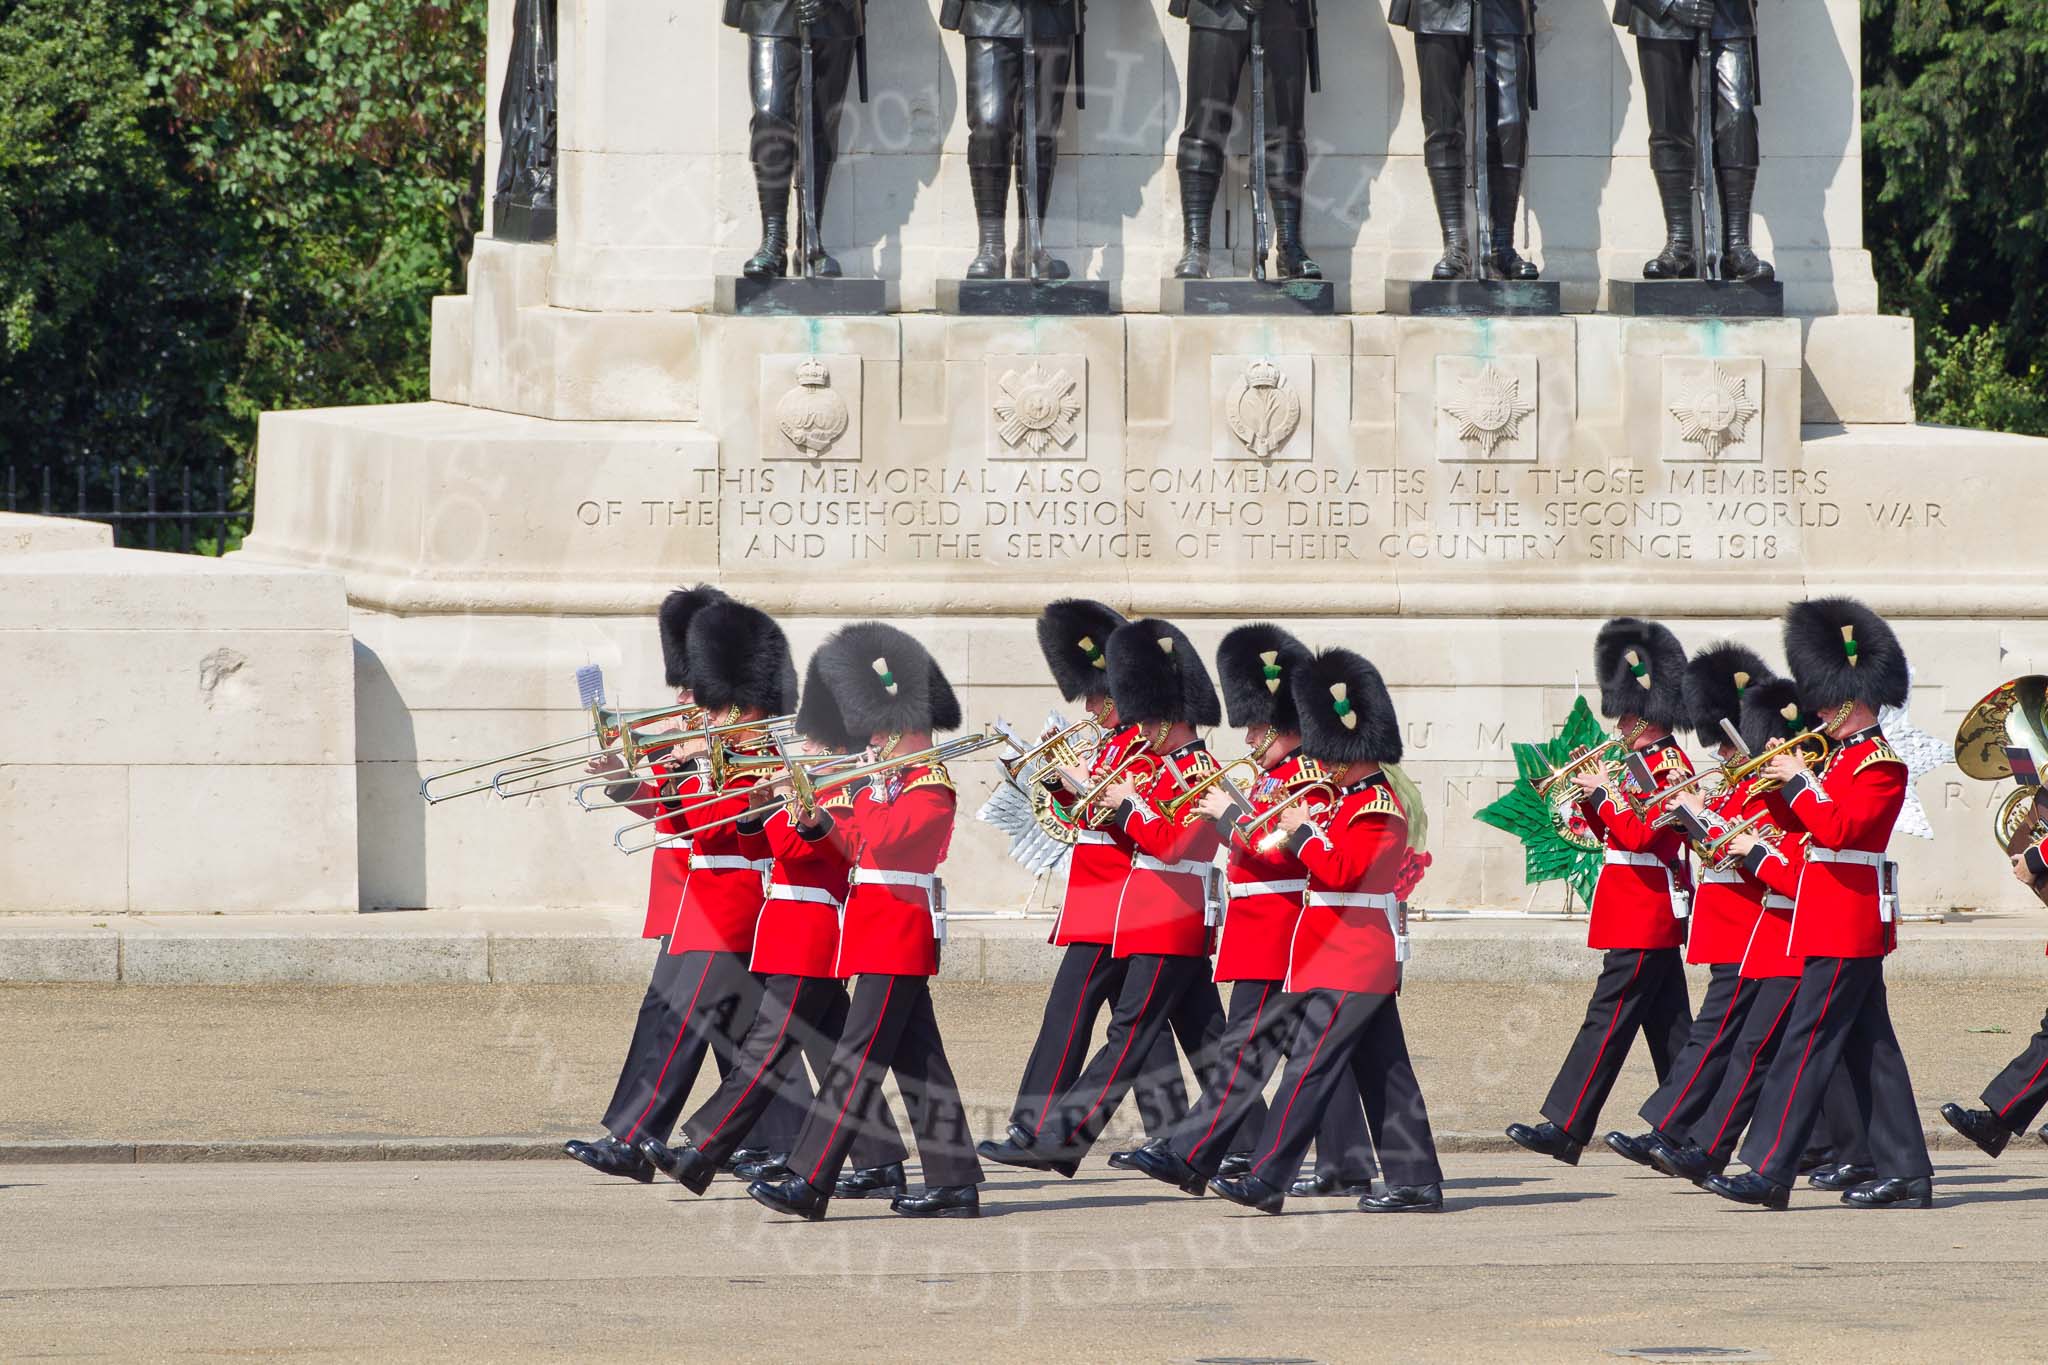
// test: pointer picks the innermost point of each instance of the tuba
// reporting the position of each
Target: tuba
(2003, 736)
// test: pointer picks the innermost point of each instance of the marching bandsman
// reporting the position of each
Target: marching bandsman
(1263, 900)
(1726, 910)
(1161, 928)
(897, 832)
(1073, 635)
(1345, 955)
(804, 1001)
(1640, 903)
(658, 1028)
(2015, 1097)
(740, 671)
(1847, 664)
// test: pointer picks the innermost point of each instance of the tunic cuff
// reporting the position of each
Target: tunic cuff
(2036, 864)
(1754, 859)
(817, 830)
(1298, 840)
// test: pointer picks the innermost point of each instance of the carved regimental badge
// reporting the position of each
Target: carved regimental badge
(813, 415)
(1487, 410)
(1715, 411)
(1263, 409)
(1037, 410)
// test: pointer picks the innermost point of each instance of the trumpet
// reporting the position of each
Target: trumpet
(1176, 806)
(1266, 819)
(1066, 749)
(636, 747)
(1812, 746)
(607, 724)
(938, 753)
(1658, 807)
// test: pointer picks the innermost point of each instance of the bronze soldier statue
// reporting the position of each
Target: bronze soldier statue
(1219, 47)
(777, 31)
(1443, 59)
(1668, 41)
(998, 32)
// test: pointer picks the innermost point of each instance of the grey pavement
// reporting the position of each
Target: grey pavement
(1533, 1262)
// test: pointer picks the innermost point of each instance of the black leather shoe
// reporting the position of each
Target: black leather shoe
(1896, 1193)
(610, 1156)
(940, 1201)
(1980, 1126)
(1405, 1199)
(745, 1156)
(1750, 1188)
(1235, 1165)
(1164, 1164)
(1327, 1187)
(1813, 1158)
(1250, 1191)
(1547, 1139)
(872, 1180)
(1636, 1149)
(1127, 1161)
(770, 1169)
(2042, 1132)
(1016, 1150)
(794, 1196)
(1842, 1177)
(1685, 1163)
(683, 1164)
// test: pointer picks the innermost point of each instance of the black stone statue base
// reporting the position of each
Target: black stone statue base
(1233, 297)
(1027, 298)
(805, 298)
(516, 220)
(1696, 298)
(1474, 298)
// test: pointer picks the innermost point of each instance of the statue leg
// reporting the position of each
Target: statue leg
(1667, 69)
(992, 84)
(1215, 62)
(772, 78)
(1286, 151)
(1737, 151)
(832, 68)
(1440, 60)
(1507, 151)
(1055, 66)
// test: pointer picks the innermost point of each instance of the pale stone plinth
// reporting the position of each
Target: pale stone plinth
(181, 737)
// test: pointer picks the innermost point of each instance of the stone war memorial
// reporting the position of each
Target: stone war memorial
(1034, 331)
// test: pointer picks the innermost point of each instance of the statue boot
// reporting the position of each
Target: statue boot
(1739, 260)
(771, 261)
(1290, 257)
(1679, 260)
(1504, 186)
(1049, 266)
(1197, 200)
(991, 186)
(1447, 187)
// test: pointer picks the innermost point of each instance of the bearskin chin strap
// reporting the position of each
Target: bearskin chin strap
(1628, 741)
(1840, 717)
(732, 713)
(1158, 741)
(1100, 711)
(1265, 741)
(888, 751)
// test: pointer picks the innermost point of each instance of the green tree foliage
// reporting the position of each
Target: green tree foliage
(1955, 183)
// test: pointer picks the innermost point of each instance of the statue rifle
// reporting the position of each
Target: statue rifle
(1482, 130)
(1028, 158)
(1703, 159)
(807, 148)
(1262, 207)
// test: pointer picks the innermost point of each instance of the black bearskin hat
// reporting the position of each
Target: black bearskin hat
(1255, 664)
(1156, 676)
(1770, 713)
(1715, 682)
(1841, 650)
(1073, 634)
(739, 657)
(1346, 714)
(817, 715)
(883, 681)
(1641, 667)
(678, 609)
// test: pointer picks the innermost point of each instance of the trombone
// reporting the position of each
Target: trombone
(635, 746)
(1175, 806)
(607, 724)
(1270, 816)
(799, 766)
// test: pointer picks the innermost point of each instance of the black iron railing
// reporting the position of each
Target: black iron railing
(193, 511)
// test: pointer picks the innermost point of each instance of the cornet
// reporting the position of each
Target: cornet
(1812, 747)
(1659, 808)
(1255, 830)
(1716, 853)
(607, 725)
(1176, 806)
(1070, 748)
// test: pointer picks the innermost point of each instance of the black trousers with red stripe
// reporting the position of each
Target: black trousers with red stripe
(2016, 1096)
(1089, 978)
(1229, 1117)
(1640, 989)
(1719, 1125)
(1354, 1034)
(890, 1027)
(1159, 993)
(696, 1003)
(1841, 1018)
(1695, 1076)
(800, 1017)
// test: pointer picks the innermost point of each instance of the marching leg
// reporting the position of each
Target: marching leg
(1407, 1147)
(1613, 1015)
(1705, 1149)
(1898, 1145)
(945, 1149)
(2011, 1102)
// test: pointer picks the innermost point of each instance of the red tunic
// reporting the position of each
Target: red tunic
(1164, 908)
(728, 865)
(798, 932)
(1724, 913)
(1779, 871)
(1634, 902)
(1099, 866)
(1348, 937)
(671, 863)
(896, 835)
(1849, 810)
(1265, 888)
